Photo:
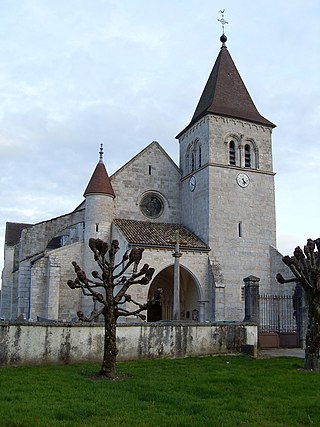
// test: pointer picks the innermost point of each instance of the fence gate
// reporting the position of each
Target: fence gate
(281, 320)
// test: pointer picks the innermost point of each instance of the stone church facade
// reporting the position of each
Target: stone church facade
(221, 198)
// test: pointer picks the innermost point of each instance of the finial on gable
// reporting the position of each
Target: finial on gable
(223, 38)
(101, 153)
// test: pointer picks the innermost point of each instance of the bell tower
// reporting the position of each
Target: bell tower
(227, 186)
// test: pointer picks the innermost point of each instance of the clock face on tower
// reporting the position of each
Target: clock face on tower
(243, 180)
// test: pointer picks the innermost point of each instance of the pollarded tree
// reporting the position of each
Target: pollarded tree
(109, 289)
(305, 265)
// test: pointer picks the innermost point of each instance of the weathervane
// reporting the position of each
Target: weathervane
(101, 153)
(222, 20)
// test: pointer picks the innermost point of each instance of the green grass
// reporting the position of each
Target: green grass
(209, 391)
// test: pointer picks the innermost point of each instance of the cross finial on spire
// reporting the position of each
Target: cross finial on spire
(101, 153)
(222, 20)
(223, 38)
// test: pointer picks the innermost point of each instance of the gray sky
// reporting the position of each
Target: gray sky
(78, 73)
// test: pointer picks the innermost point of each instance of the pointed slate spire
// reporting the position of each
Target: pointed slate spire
(100, 182)
(225, 94)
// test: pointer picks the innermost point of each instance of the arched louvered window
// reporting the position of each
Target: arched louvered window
(193, 162)
(232, 153)
(187, 163)
(199, 154)
(247, 156)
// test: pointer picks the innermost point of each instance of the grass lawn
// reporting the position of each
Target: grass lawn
(207, 391)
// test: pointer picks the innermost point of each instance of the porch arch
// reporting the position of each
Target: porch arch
(190, 295)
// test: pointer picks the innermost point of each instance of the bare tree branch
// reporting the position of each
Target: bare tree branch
(112, 306)
(305, 266)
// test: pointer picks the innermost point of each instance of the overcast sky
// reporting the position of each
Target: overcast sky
(77, 73)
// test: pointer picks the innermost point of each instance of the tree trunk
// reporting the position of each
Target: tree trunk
(108, 368)
(312, 352)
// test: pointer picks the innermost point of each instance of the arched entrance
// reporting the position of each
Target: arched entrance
(189, 296)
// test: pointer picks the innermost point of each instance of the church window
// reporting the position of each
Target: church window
(150, 169)
(188, 159)
(240, 229)
(151, 206)
(187, 163)
(247, 156)
(193, 157)
(193, 162)
(232, 153)
(199, 153)
(97, 227)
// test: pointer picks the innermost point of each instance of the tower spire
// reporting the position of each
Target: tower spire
(225, 93)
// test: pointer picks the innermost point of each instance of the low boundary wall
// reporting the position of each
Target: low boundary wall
(52, 343)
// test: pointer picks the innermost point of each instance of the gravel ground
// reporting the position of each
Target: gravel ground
(277, 352)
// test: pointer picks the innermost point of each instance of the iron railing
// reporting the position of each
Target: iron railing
(278, 313)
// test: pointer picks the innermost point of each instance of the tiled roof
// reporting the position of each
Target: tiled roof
(13, 232)
(225, 94)
(157, 234)
(99, 182)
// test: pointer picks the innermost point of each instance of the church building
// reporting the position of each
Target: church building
(220, 198)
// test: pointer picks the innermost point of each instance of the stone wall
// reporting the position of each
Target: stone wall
(6, 303)
(150, 171)
(51, 297)
(278, 266)
(37, 343)
(34, 240)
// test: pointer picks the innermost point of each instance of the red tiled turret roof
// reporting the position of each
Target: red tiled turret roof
(100, 182)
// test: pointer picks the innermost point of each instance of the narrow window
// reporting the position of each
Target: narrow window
(247, 156)
(240, 229)
(97, 227)
(150, 169)
(192, 162)
(232, 153)
(200, 161)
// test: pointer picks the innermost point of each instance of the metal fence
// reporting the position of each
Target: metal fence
(278, 313)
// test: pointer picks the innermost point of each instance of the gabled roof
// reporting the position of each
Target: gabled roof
(225, 94)
(13, 232)
(157, 234)
(99, 182)
(152, 145)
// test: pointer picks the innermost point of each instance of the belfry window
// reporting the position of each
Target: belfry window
(193, 157)
(193, 162)
(247, 156)
(187, 163)
(232, 153)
